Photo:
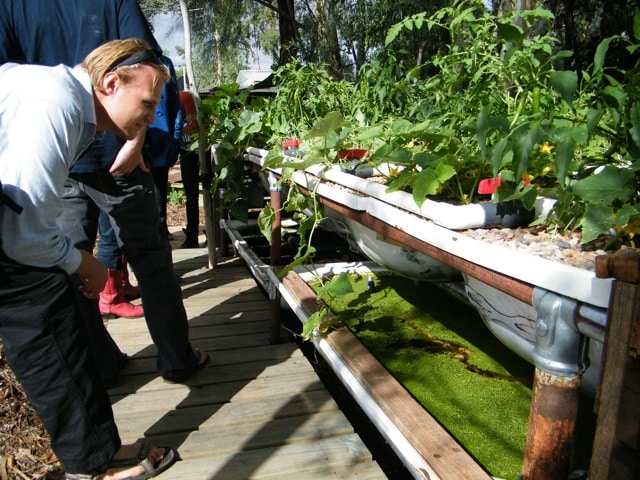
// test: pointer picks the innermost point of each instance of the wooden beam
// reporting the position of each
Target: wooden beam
(616, 446)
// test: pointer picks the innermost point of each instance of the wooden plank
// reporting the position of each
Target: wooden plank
(206, 442)
(226, 415)
(210, 375)
(221, 306)
(615, 450)
(137, 347)
(334, 457)
(137, 333)
(151, 400)
(275, 353)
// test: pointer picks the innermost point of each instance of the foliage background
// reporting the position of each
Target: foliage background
(347, 34)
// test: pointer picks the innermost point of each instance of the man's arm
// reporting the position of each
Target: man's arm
(93, 274)
(130, 156)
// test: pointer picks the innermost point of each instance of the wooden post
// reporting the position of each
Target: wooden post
(276, 227)
(275, 198)
(552, 421)
(616, 446)
(559, 357)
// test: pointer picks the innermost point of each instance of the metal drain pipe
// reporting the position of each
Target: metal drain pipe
(560, 358)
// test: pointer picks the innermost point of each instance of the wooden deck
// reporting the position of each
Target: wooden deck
(258, 411)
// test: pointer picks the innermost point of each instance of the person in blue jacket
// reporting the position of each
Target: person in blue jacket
(111, 175)
(164, 138)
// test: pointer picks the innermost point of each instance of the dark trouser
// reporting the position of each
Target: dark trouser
(161, 180)
(190, 172)
(47, 348)
(130, 202)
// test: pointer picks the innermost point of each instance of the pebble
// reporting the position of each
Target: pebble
(556, 247)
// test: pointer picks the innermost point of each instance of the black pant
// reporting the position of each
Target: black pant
(161, 181)
(131, 204)
(190, 171)
(47, 347)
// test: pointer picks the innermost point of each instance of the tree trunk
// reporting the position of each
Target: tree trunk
(205, 166)
(329, 46)
(288, 32)
(218, 54)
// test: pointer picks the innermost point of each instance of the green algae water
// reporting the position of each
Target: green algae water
(441, 351)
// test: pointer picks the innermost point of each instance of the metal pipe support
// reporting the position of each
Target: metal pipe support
(560, 358)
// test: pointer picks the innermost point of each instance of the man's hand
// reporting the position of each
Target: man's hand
(130, 156)
(93, 274)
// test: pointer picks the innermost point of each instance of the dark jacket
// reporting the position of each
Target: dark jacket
(26, 36)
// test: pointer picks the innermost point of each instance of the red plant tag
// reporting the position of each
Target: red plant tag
(488, 185)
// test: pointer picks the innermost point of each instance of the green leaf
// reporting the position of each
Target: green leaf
(331, 122)
(529, 196)
(311, 324)
(605, 187)
(296, 201)
(636, 25)
(428, 181)
(564, 156)
(634, 117)
(526, 138)
(497, 154)
(596, 221)
(615, 97)
(369, 133)
(266, 217)
(565, 83)
(298, 261)
(393, 33)
(482, 126)
(593, 118)
(510, 32)
(337, 286)
(601, 53)
(626, 215)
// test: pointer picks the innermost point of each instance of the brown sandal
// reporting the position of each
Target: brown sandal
(203, 361)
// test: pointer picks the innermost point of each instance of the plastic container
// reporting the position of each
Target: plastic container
(291, 147)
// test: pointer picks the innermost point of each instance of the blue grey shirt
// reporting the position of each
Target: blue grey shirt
(47, 119)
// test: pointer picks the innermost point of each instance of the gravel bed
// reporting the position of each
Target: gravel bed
(552, 246)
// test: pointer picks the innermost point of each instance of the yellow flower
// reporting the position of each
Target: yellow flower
(632, 228)
(546, 148)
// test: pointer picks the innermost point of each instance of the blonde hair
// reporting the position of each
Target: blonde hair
(108, 57)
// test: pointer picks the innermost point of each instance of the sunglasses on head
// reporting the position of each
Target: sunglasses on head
(143, 56)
